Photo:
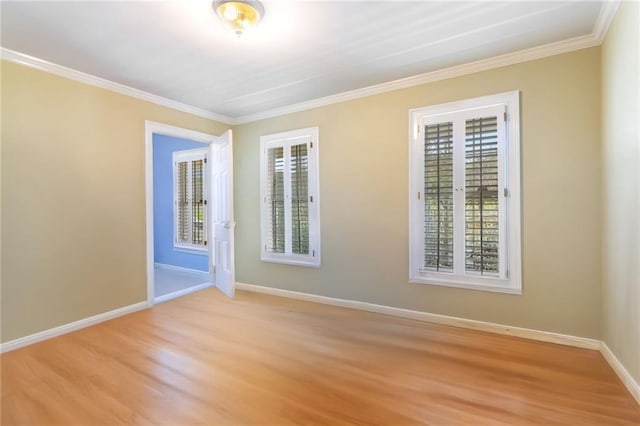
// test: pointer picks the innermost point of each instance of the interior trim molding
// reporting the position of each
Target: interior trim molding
(627, 379)
(543, 336)
(605, 17)
(92, 80)
(181, 269)
(607, 13)
(151, 128)
(72, 326)
(538, 52)
(581, 342)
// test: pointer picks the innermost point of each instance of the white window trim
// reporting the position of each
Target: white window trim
(198, 251)
(512, 282)
(189, 155)
(286, 139)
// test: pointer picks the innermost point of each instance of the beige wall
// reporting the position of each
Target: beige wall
(364, 205)
(621, 187)
(73, 202)
(73, 198)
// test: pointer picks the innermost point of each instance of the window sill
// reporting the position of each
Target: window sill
(302, 261)
(452, 282)
(191, 250)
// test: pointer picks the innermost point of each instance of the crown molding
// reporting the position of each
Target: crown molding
(605, 17)
(92, 80)
(525, 55)
(607, 13)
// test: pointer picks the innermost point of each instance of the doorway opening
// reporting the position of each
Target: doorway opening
(181, 258)
(190, 225)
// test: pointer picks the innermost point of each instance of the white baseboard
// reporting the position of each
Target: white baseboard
(182, 292)
(544, 336)
(67, 328)
(626, 378)
(181, 269)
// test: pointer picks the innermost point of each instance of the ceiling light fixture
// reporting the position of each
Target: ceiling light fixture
(240, 15)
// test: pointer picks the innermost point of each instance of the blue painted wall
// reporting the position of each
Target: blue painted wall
(163, 147)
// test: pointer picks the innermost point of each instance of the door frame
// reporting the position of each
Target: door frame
(151, 127)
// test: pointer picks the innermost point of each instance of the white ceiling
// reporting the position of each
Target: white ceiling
(301, 51)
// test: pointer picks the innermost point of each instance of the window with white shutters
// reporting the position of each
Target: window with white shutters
(190, 232)
(465, 194)
(290, 201)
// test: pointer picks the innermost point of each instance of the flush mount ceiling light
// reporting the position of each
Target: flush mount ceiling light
(240, 15)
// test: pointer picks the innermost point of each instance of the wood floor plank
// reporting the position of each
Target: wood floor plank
(263, 360)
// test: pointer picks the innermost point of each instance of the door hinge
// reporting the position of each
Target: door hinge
(313, 253)
(205, 160)
(505, 116)
(205, 202)
(311, 198)
(506, 192)
(311, 144)
(205, 242)
(418, 195)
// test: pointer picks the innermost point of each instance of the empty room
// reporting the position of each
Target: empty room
(243, 212)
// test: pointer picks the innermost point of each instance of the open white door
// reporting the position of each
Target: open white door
(220, 214)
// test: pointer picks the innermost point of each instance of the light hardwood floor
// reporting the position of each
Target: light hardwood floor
(204, 359)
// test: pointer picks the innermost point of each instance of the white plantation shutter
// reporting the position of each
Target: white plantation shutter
(182, 201)
(197, 202)
(482, 236)
(464, 216)
(299, 199)
(461, 202)
(275, 200)
(289, 189)
(189, 199)
(438, 197)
